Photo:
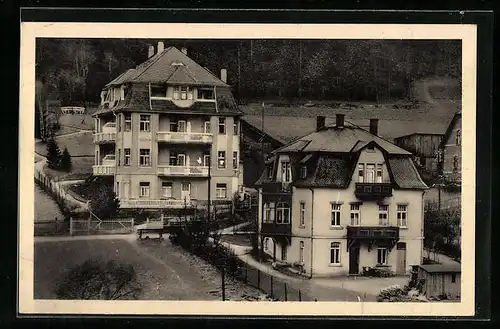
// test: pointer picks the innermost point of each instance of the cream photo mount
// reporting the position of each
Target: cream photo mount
(27, 305)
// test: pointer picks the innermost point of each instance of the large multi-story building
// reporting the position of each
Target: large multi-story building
(166, 131)
(340, 199)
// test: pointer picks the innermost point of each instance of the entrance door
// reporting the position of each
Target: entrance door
(354, 260)
(186, 192)
(401, 250)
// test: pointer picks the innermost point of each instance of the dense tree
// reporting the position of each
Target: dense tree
(75, 70)
(66, 163)
(441, 228)
(103, 201)
(53, 154)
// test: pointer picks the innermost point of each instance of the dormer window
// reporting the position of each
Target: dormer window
(303, 172)
(177, 64)
(206, 93)
(270, 171)
(286, 172)
(183, 93)
(158, 91)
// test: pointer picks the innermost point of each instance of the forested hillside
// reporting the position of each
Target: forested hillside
(75, 70)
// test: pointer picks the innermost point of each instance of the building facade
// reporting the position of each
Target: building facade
(423, 146)
(168, 132)
(339, 200)
(450, 151)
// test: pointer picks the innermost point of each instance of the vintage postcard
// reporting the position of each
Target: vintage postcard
(247, 169)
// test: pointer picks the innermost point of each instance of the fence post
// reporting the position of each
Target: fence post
(286, 294)
(272, 290)
(300, 295)
(258, 279)
(71, 226)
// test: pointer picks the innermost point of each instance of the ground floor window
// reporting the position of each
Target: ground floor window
(335, 253)
(382, 256)
(283, 253)
(144, 189)
(301, 251)
(221, 191)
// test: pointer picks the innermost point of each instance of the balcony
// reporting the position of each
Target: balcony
(183, 171)
(373, 191)
(381, 235)
(184, 137)
(276, 187)
(104, 170)
(155, 203)
(104, 137)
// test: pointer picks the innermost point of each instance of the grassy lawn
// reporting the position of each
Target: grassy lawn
(82, 169)
(81, 121)
(161, 279)
(80, 144)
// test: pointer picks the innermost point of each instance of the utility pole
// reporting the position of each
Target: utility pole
(223, 283)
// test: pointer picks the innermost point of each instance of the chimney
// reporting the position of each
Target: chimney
(184, 50)
(320, 123)
(161, 47)
(374, 127)
(151, 51)
(223, 75)
(339, 122)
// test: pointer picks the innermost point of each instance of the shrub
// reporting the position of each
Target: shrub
(53, 154)
(66, 163)
(104, 203)
(99, 280)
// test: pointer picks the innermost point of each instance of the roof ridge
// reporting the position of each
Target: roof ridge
(158, 56)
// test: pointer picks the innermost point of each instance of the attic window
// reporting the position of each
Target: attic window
(158, 91)
(303, 172)
(371, 147)
(177, 64)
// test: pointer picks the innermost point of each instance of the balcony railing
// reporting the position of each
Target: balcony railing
(105, 137)
(276, 229)
(183, 171)
(184, 137)
(104, 170)
(155, 203)
(371, 191)
(373, 232)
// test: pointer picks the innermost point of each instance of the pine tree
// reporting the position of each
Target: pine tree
(66, 163)
(53, 154)
(103, 202)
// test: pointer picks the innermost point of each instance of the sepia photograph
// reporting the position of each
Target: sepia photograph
(250, 169)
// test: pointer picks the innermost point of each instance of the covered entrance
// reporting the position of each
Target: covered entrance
(354, 260)
(401, 258)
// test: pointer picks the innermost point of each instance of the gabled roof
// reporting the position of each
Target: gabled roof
(447, 134)
(159, 69)
(339, 140)
(442, 268)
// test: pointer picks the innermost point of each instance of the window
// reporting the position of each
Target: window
(128, 122)
(335, 215)
(117, 189)
(455, 163)
(181, 159)
(268, 215)
(355, 214)
(383, 214)
(453, 278)
(282, 213)
(220, 191)
(144, 189)
(222, 125)
(185, 91)
(361, 173)
(144, 158)
(303, 172)
(266, 244)
(370, 173)
(173, 125)
(379, 173)
(166, 189)
(176, 92)
(144, 122)
(221, 159)
(335, 253)
(235, 160)
(286, 172)
(205, 94)
(158, 90)
(270, 171)
(382, 256)
(206, 127)
(302, 221)
(301, 252)
(126, 154)
(459, 137)
(235, 127)
(119, 157)
(206, 160)
(181, 126)
(402, 215)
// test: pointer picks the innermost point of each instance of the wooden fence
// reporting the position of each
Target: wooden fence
(96, 226)
(51, 228)
(274, 287)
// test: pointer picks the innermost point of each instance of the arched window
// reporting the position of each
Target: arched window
(459, 137)
(283, 213)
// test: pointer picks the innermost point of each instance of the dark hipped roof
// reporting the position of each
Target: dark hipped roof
(339, 140)
(442, 268)
(327, 171)
(165, 67)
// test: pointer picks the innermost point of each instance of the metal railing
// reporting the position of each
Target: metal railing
(104, 137)
(104, 170)
(155, 203)
(194, 171)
